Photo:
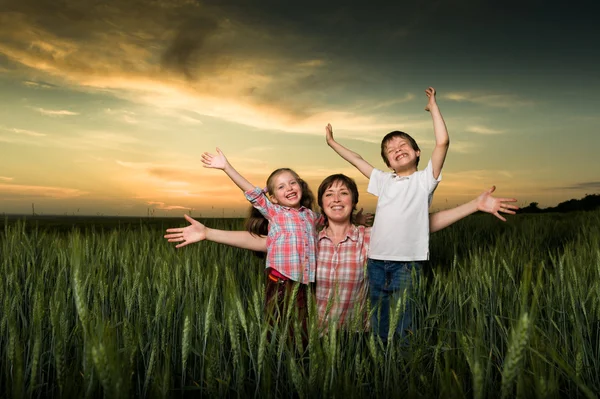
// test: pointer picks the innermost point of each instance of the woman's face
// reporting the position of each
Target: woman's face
(337, 203)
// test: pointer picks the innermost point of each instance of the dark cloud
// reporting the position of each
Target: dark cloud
(39, 84)
(590, 185)
(190, 45)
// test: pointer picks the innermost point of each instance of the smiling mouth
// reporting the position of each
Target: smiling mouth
(291, 196)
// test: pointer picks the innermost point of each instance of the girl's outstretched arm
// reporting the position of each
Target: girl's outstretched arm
(485, 202)
(219, 161)
(196, 232)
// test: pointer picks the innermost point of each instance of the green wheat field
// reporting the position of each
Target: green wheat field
(506, 310)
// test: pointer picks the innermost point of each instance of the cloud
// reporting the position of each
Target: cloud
(162, 206)
(312, 63)
(51, 112)
(32, 191)
(489, 99)
(26, 132)
(590, 185)
(389, 103)
(481, 178)
(216, 63)
(39, 85)
(4, 178)
(478, 129)
(190, 46)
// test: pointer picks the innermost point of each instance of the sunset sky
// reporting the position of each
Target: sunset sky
(106, 106)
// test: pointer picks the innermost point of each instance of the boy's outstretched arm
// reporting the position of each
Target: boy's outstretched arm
(442, 141)
(219, 161)
(359, 163)
(485, 202)
(196, 232)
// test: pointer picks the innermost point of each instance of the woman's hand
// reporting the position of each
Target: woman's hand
(195, 232)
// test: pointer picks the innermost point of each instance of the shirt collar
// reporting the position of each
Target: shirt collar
(352, 233)
(287, 208)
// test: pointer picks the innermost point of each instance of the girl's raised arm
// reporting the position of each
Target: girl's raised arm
(485, 202)
(196, 232)
(219, 161)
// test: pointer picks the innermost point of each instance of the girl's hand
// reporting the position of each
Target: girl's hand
(195, 232)
(487, 203)
(430, 92)
(329, 133)
(365, 219)
(217, 161)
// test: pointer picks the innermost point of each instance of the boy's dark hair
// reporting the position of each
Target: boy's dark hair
(256, 222)
(346, 181)
(391, 135)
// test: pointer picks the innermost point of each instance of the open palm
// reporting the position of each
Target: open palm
(328, 132)
(216, 161)
(490, 204)
(195, 232)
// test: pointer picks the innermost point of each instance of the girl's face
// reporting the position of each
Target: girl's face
(338, 203)
(286, 190)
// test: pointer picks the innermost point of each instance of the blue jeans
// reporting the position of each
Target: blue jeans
(388, 280)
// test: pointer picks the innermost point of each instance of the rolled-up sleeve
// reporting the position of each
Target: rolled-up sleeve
(259, 200)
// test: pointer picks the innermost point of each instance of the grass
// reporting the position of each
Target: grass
(505, 310)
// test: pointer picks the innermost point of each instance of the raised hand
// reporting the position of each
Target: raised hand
(195, 232)
(364, 219)
(490, 204)
(329, 133)
(218, 161)
(430, 92)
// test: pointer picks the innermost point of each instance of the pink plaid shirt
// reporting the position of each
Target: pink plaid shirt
(291, 242)
(342, 277)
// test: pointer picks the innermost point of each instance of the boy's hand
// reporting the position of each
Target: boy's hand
(195, 232)
(430, 92)
(487, 203)
(329, 133)
(215, 161)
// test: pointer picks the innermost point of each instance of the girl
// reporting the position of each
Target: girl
(291, 238)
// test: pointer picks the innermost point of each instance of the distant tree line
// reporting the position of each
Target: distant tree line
(587, 203)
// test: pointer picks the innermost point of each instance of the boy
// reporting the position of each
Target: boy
(400, 236)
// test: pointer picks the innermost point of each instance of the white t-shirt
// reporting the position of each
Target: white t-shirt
(401, 227)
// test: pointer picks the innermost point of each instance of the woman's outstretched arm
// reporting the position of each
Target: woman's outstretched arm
(196, 232)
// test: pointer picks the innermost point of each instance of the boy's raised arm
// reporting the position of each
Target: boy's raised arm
(359, 163)
(485, 202)
(442, 141)
(219, 161)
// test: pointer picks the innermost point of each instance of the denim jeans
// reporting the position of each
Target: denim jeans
(388, 280)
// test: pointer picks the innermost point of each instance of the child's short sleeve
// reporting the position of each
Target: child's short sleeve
(429, 182)
(376, 181)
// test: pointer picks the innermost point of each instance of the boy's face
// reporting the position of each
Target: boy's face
(400, 154)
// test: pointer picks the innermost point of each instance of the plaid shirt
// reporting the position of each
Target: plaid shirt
(342, 277)
(291, 242)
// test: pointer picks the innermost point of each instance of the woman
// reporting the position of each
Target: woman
(342, 247)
